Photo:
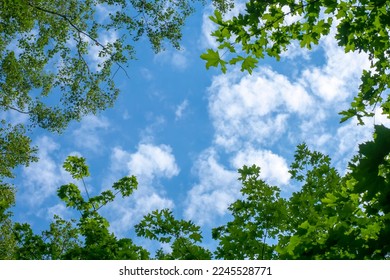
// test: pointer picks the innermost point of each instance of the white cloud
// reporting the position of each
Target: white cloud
(41, 179)
(338, 79)
(380, 118)
(176, 58)
(87, 135)
(274, 169)
(149, 164)
(217, 189)
(254, 108)
(180, 109)
(153, 161)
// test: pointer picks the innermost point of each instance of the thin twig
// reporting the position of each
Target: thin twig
(80, 31)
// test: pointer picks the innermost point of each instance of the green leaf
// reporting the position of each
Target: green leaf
(249, 64)
(213, 60)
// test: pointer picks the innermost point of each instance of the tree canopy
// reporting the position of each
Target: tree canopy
(59, 59)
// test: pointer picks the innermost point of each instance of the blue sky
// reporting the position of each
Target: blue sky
(184, 130)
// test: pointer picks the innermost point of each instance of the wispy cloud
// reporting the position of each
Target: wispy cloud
(177, 58)
(41, 179)
(152, 161)
(87, 134)
(216, 190)
(179, 112)
(146, 74)
(149, 163)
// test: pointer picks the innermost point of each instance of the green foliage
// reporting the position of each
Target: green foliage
(89, 236)
(213, 59)
(182, 235)
(262, 29)
(53, 43)
(256, 219)
(7, 241)
(15, 149)
(76, 167)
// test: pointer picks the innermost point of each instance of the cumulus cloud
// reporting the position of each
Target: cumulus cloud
(274, 168)
(153, 161)
(338, 79)
(254, 108)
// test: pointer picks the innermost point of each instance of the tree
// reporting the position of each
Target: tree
(48, 54)
(15, 149)
(86, 238)
(89, 236)
(182, 236)
(329, 217)
(262, 29)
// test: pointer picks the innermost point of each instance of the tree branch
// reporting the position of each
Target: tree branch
(80, 31)
(15, 109)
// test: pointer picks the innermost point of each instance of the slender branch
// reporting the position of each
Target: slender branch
(15, 109)
(80, 31)
(264, 239)
(86, 190)
(66, 18)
